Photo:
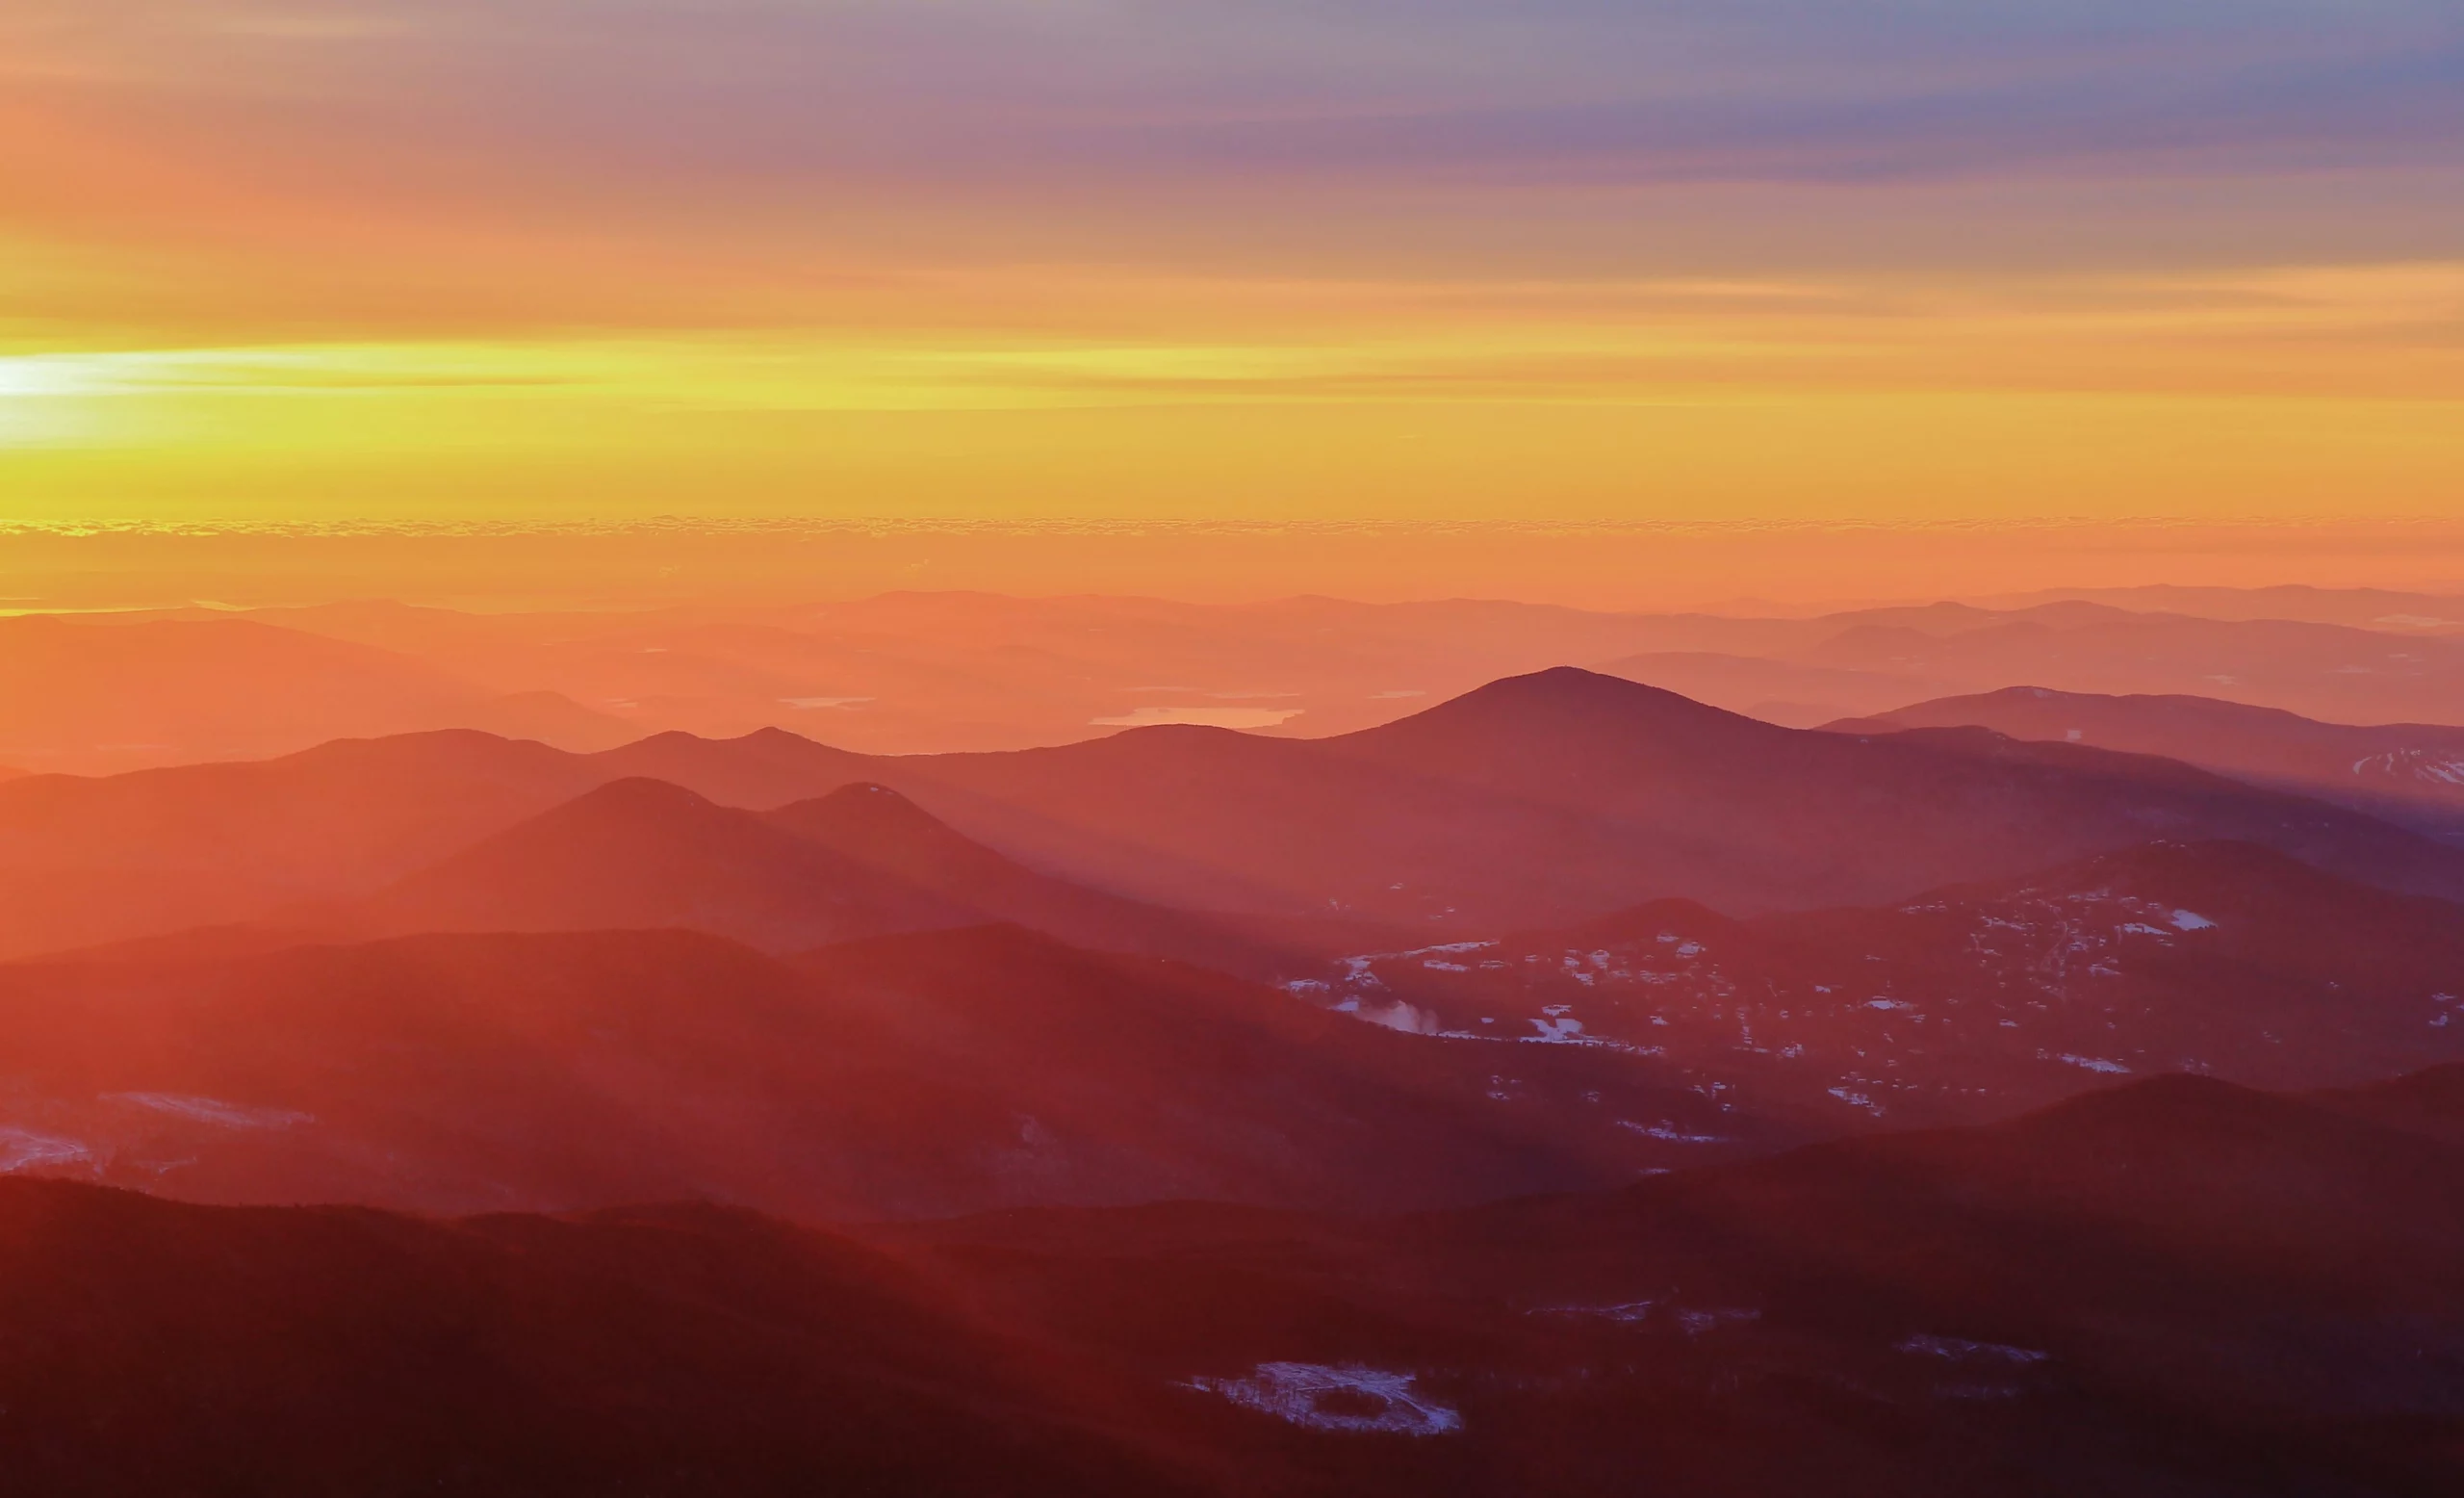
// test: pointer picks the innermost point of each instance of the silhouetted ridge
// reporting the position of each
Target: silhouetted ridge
(669, 738)
(860, 862)
(892, 835)
(2176, 1101)
(636, 813)
(303, 1350)
(1576, 736)
(862, 810)
(767, 768)
(2428, 1103)
(635, 795)
(775, 737)
(2439, 1088)
(1564, 694)
(644, 853)
(1533, 803)
(2408, 773)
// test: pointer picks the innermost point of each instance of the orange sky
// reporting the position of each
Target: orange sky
(558, 260)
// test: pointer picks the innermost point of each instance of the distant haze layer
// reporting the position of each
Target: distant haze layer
(1734, 567)
(923, 671)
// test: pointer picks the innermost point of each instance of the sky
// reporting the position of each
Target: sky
(1784, 260)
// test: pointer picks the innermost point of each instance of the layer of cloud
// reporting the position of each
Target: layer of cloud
(1755, 90)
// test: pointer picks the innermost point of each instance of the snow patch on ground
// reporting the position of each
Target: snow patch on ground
(2093, 1064)
(2417, 762)
(2192, 920)
(1630, 1312)
(1694, 1323)
(1666, 1131)
(1961, 1350)
(1408, 1018)
(27, 1150)
(214, 1111)
(1348, 1398)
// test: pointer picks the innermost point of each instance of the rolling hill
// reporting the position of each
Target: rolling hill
(908, 1075)
(860, 862)
(2408, 773)
(1972, 1002)
(167, 1348)
(646, 855)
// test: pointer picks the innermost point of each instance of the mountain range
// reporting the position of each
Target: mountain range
(909, 673)
(1564, 1087)
(860, 862)
(1538, 800)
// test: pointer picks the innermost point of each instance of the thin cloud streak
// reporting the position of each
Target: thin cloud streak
(653, 93)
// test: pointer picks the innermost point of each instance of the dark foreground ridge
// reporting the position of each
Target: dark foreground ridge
(2176, 1287)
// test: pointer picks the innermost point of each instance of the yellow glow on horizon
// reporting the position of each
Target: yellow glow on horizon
(2276, 393)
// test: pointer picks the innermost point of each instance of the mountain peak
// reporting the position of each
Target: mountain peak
(864, 792)
(1572, 688)
(860, 809)
(636, 794)
(1558, 713)
(668, 738)
(1564, 679)
(773, 736)
(885, 832)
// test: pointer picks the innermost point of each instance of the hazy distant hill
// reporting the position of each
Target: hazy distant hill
(646, 855)
(2373, 609)
(860, 862)
(910, 673)
(1549, 797)
(1535, 801)
(1870, 661)
(2408, 773)
(1786, 692)
(101, 696)
(2331, 672)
